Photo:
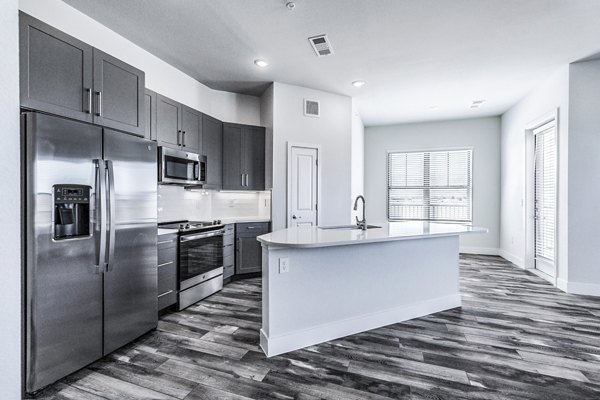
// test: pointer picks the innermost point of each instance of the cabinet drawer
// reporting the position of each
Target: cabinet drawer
(229, 229)
(228, 240)
(249, 228)
(166, 241)
(166, 255)
(228, 260)
(228, 271)
(228, 250)
(167, 299)
(167, 277)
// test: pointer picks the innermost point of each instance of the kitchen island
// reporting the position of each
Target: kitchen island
(322, 284)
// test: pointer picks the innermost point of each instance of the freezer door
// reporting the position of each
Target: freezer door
(130, 282)
(63, 290)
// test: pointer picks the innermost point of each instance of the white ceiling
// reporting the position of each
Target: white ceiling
(422, 59)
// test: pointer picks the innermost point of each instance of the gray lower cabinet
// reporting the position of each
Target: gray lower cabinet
(243, 157)
(229, 251)
(167, 270)
(248, 250)
(150, 114)
(64, 76)
(212, 147)
(178, 126)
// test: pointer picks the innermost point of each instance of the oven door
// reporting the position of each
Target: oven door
(200, 254)
(180, 167)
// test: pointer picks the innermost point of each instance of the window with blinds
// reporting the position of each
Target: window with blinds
(545, 190)
(430, 186)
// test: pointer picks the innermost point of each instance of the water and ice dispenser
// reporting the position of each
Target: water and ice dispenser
(71, 211)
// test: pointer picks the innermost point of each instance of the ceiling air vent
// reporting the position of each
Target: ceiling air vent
(321, 45)
(312, 108)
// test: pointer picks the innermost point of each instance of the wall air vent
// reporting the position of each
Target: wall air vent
(312, 108)
(321, 45)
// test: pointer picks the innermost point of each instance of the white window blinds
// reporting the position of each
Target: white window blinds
(430, 186)
(545, 190)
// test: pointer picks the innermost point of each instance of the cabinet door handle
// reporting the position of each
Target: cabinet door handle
(178, 140)
(242, 179)
(183, 138)
(163, 264)
(99, 103)
(165, 293)
(88, 108)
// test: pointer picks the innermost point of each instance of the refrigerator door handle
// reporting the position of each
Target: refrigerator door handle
(101, 213)
(111, 205)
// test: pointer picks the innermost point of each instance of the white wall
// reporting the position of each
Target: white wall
(358, 153)
(160, 76)
(482, 134)
(10, 204)
(584, 178)
(332, 131)
(549, 95)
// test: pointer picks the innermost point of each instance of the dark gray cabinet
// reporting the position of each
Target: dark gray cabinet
(248, 257)
(64, 76)
(55, 70)
(229, 251)
(178, 126)
(243, 157)
(212, 148)
(150, 114)
(167, 270)
(119, 94)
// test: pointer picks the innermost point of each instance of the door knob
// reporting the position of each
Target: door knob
(294, 217)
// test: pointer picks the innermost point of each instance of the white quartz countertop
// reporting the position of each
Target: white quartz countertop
(317, 237)
(234, 220)
(163, 231)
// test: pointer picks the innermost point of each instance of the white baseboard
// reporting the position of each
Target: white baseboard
(273, 346)
(587, 289)
(562, 284)
(488, 251)
(518, 261)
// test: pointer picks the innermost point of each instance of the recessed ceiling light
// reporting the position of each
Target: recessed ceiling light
(260, 63)
(290, 5)
(358, 83)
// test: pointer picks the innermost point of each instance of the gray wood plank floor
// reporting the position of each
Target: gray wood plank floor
(515, 337)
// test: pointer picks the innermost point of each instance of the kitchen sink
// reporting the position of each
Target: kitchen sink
(348, 227)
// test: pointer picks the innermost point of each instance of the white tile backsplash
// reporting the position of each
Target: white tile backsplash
(176, 203)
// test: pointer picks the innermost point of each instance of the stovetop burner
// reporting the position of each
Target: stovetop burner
(191, 226)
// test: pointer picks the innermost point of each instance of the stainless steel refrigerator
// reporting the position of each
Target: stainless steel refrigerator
(91, 217)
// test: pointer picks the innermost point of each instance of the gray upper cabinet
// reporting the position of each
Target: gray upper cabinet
(191, 129)
(119, 94)
(212, 147)
(253, 146)
(243, 157)
(56, 71)
(65, 76)
(233, 178)
(150, 115)
(168, 122)
(178, 126)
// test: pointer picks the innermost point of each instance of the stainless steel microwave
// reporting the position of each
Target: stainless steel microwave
(178, 167)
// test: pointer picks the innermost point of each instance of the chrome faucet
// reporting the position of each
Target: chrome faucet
(362, 224)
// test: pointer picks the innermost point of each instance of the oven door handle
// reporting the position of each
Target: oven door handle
(187, 238)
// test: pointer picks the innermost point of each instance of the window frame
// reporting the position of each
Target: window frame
(429, 150)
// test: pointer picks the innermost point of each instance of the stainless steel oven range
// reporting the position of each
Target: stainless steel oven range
(200, 260)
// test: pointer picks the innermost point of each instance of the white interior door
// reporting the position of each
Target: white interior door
(545, 197)
(302, 186)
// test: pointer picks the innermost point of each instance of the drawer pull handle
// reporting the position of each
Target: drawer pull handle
(167, 263)
(166, 293)
(166, 241)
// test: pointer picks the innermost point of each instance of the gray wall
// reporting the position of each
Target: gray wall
(481, 134)
(584, 177)
(332, 131)
(10, 205)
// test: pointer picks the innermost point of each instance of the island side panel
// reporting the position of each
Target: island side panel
(331, 292)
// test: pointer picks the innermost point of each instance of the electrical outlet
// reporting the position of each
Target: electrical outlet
(284, 265)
